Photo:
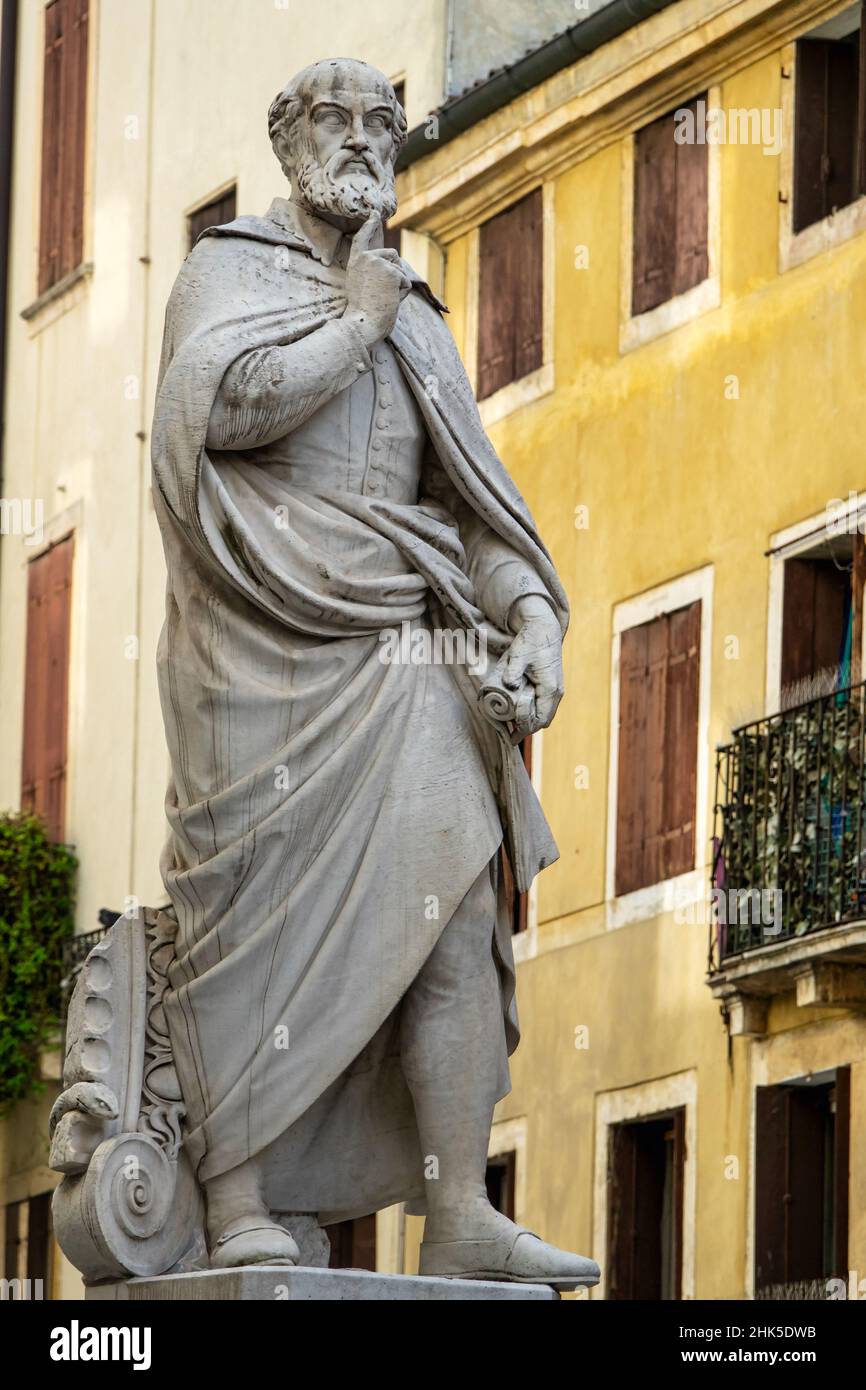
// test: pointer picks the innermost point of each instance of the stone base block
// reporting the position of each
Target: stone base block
(275, 1283)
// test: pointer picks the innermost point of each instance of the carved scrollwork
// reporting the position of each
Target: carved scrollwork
(129, 1203)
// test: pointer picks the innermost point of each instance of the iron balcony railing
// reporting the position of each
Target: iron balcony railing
(790, 825)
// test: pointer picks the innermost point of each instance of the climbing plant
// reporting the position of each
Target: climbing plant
(37, 886)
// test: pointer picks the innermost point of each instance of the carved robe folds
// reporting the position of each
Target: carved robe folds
(322, 799)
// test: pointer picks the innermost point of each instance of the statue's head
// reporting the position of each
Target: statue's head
(336, 129)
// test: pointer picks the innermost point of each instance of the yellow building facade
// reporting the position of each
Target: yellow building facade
(678, 456)
(663, 459)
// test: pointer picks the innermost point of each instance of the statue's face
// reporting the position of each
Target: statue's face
(345, 145)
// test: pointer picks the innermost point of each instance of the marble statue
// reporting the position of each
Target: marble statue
(329, 1026)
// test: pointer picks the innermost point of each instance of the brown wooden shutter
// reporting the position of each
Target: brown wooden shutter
(499, 1180)
(654, 221)
(528, 346)
(841, 1171)
(353, 1243)
(43, 766)
(827, 149)
(861, 103)
(631, 807)
(52, 124)
(510, 295)
(814, 610)
(657, 764)
(517, 903)
(64, 124)
(691, 258)
(216, 213)
(677, 853)
(39, 1239)
(621, 1213)
(771, 1160)
(669, 249)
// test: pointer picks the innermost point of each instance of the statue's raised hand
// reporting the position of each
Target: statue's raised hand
(375, 284)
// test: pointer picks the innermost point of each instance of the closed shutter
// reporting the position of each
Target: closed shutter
(64, 119)
(677, 850)
(510, 292)
(622, 1213)
(771, 1165)
(216, 213)
(691, 257)
(657, 764)
(670, 252)
(841, 1171)
(353, 1243)
(528, 346)
(43, 769)
(826, 128)
(678, 1199)
(517, 903)
(52, 125)
(654, 246)
(39, 1241)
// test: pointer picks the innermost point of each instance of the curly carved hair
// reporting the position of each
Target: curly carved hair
(294, 100)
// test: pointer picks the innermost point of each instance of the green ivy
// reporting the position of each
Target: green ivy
(37, 899)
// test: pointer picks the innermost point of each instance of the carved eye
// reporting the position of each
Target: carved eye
(377, 121)
(331, 119)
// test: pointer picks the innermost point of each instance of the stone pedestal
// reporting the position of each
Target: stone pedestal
(275, 1283)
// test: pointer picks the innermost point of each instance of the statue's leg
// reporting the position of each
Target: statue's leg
(454, 1057)
(240, 1228)
(452, 1043)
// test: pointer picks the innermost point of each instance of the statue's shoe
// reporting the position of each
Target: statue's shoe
(254, 1242)
(516, 1256)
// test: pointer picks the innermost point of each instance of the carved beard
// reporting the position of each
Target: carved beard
(355, 195)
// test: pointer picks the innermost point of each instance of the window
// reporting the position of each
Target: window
(64, 111)
(801, 1185)
(510, 339)
(353, 1243)
(821, 621)
(216, 213)
(499, 1180)
(669, 248)
(646, 1166)
(518, 903)
(28, 1244)
(658, 747)
(829, 119)
(43, 764)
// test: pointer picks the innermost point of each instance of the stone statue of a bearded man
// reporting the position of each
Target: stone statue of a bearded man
(341, 1006)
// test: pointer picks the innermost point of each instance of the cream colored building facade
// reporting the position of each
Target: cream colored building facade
(177, 102)
(654, 483)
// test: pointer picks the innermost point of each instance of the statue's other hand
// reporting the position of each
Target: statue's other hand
(375, 284)
(535, 655)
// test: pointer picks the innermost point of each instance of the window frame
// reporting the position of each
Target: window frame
(635, 330)
(788, 544)
(671, 893)
(794, 248)
(644, 1101)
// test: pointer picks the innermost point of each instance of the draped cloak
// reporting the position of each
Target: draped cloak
(328, 812)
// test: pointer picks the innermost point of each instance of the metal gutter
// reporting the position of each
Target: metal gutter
(461, 112)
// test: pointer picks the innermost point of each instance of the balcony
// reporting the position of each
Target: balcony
(789, 864)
